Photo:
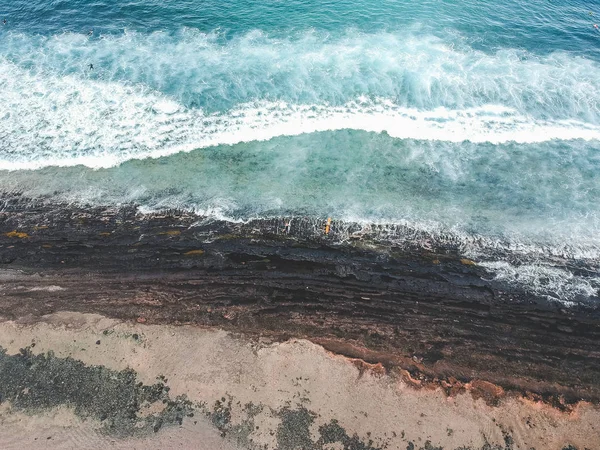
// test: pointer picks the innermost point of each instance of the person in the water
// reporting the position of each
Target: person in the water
(91, 67)
(4, 22)
(90, 32)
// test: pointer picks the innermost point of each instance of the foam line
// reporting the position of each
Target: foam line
(50, 121)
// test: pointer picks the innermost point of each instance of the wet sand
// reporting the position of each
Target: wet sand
(338, 341)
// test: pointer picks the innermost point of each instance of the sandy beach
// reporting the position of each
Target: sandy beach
(246, 393)
(151, 331)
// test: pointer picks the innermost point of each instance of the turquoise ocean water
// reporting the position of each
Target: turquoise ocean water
(477, 121)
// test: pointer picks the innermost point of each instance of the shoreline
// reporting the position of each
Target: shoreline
(432, 314)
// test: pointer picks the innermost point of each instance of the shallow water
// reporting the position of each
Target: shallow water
(472, 118)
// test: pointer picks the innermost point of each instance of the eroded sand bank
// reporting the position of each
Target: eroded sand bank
(209, 389)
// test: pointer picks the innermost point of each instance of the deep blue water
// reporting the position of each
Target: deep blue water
(478, 120)
(541, 27)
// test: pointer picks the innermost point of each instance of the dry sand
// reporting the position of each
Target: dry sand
(258, 394)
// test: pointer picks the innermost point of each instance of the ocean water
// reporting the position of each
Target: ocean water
(477, 122)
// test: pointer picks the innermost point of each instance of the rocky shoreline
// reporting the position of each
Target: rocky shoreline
(430, 315)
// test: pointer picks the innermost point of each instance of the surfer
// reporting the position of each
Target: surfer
(90, 32)
(596, 27)
(4, 22)
(91, 67)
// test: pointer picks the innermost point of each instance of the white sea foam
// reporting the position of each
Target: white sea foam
(70, 121)
(159, 94)
(542, 279)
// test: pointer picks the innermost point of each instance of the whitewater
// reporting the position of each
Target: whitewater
(475, 124)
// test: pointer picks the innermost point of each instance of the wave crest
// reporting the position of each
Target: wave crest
(69, 121)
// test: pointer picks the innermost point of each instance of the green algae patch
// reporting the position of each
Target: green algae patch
(125, 407)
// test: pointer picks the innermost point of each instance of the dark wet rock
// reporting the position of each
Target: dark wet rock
(391, 300)
(221, 414)
(429, 446)
(294, 430)
(333, 432)
(508, 441)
